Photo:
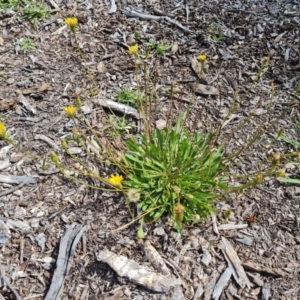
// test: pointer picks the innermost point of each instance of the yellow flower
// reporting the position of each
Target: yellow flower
(133, 195)
(3, 134)
(202, 58)
(70, 111)
(134, 50)
(115, 179)
(72, 23)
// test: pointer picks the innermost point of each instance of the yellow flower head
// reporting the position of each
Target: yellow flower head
(134, 50)
(70, 111)
(133, 195)
(202, 58)
(72, 23)
(3, 134)
(115, 180)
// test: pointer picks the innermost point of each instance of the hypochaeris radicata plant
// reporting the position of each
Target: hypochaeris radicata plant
(174, 172)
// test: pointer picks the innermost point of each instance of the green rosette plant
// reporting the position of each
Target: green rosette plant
(177, 173)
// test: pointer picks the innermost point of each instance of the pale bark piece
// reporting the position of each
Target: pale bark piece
(262, 269)
(15, 179)
(177, 24)
(47, 140)
(120, 107)
(235, 264)
(210, 286)
(205, 89)
(54, 5)
(199, 292)
(206, 257)
(174, 48)
(113, 7)
(22, 225)
(67, 248)
(15, 188)
(266, 293)
(177, 293)
(4, 238)
(135, 14)
(232, 226)
(43, 87)
(4, 164)
(136, 273)
(222, 282)
(101, 67)
(215, 227)
(155, 259)
(246, 240)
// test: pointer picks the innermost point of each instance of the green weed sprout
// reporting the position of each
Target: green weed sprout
(8, 4)
(36, 11)
(117, 126)
(159, 48)
(27, 44)
(130, 97)
(216, 32)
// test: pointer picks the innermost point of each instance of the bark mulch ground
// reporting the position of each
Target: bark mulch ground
(53, 229)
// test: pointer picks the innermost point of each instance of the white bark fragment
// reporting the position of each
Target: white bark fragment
(130, 269)
(232, 226)
(113, 7)
(222, 282)
(235, 264)
(120, 107)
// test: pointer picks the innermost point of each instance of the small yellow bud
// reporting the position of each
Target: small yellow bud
(189, 196)
(281, 174)
(276, 155)
(265, 61)
(64, 144)
(54, 157)
(294, 154)
(276, 158)
(179, 212)
(176, 189)
(77, 99)
(197, 218)
(259, 179)
(227, 214)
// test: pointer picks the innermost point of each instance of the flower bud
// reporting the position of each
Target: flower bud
(179, 213)
(140, 234)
